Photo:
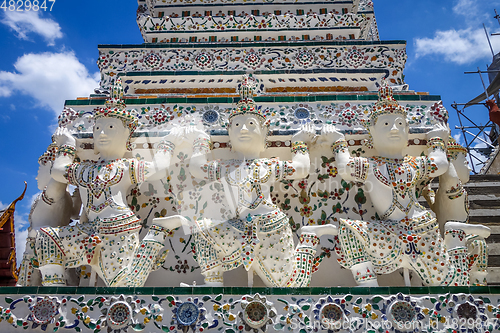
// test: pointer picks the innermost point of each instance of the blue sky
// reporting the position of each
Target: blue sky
(50, 56)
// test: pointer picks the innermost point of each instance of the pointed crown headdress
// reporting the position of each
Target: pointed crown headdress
(454, 148)
(246, 104)
(116, 108)
(49, 155)
(386, 104)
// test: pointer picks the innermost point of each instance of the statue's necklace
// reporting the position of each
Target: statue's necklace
(98, 182)
(250, 182)
(400, 175)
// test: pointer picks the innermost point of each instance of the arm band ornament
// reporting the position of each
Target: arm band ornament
(455, 192)
(299, 147)
(436, 143)
(360, 166)
(202, 145)
(67, 150)
(46, 199)
(339, 146)
(165, 147)
(214, 170)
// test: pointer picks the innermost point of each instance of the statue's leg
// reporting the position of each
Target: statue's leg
(53, 275)
(478, 260)
(458, 261)
(207, 257)
(355, 256)
(147, 258)
(170, 222)
(469, 229)
(320, 230)
(50, 257)
(304, 260)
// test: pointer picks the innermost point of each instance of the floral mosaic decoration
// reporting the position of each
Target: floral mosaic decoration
(452, 312)
(112, 62)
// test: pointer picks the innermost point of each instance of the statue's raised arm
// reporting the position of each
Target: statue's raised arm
(109, 241)
(404, 234)
(258, 235)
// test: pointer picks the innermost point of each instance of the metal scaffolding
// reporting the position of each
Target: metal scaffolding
(481, 141)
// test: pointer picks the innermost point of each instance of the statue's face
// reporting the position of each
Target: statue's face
(462, 167)
(110, 136)
(247, 135)
(390, 134)
(43, 176)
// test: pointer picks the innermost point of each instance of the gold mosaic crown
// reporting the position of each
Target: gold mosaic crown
(386, 104)
(454, 148)
(49, 155)
(115, 107)
(247, 105)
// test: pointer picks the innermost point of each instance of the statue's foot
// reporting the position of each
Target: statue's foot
(320, 230)
(206, 284)
(170, 222)
(53, 275)
(469, 229)
(478, 278)
(369, 283)
(364, 274)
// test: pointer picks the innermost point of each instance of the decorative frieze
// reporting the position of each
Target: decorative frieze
(250, 22)
(233, 310)
(388, 56)
(349, 116)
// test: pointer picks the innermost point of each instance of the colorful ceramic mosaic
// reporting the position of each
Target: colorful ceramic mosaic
(239, 312)
(404, 233)
(347, 116)
(258, 210)
(109, 241)
(245, 22)
(113, 62)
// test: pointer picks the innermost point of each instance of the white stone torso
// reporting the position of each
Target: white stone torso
(383, 194)
(103, 188)
(249, 184)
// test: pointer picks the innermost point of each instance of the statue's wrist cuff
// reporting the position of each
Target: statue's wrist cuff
(202, 144)
(339, 145)
(165, 146)
(67, 150)
(436, 143)
(299, 147)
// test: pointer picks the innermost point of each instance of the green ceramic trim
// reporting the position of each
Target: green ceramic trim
(263, 99)
(246, 290)
(249, 44)
(324, 71)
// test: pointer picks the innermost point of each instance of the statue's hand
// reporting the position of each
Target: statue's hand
(175, 136)
(329, 135)
(192, 133)
(63, 137)
(439, 130)
(306, 134)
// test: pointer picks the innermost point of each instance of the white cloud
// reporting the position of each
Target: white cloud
(50, 78)
(2, 205)
(24, 23)
(465, 41)
(458, 46)
(465, 7)
(4, 92)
